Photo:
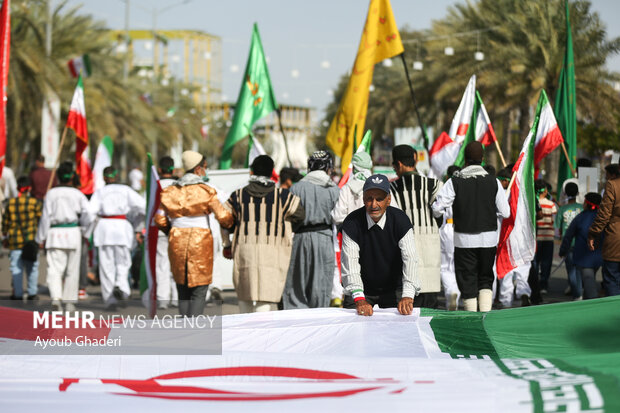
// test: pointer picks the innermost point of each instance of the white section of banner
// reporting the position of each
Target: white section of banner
(303, 360)
(50, 124)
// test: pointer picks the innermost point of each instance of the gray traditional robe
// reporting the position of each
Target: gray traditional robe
(311, 270)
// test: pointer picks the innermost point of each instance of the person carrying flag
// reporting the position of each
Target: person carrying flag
(477, 200)
(66, 215)
(515, 281)
(166, 289)
(120, 212)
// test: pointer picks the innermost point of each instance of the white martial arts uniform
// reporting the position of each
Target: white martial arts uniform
(518, 278)
(114, 235)
(448, 276)
(166, 288)
(65, 214)
(219, 261)
(10, 183)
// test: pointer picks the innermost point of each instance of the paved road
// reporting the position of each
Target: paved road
(558, 284)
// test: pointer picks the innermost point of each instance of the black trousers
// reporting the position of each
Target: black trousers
(426, 300)
(474, 270)
(192, 300)
(389, 300)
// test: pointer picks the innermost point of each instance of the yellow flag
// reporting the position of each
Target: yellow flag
(380, 40)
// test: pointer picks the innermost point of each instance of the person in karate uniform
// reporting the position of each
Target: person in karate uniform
(446, 238)
(65, 216)
(114, 234)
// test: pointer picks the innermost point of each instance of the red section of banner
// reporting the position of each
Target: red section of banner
(23, 325)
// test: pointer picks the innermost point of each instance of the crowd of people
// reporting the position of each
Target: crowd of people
(305, 242)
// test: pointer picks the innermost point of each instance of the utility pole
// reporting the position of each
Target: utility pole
(125, 77)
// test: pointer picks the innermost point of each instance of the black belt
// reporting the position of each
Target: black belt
(313, 228)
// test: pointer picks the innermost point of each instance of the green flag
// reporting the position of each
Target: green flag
(256, 99)
(365, 143)
(566, 108)
(470, 135)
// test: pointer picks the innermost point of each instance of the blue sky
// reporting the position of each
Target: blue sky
(297, 35)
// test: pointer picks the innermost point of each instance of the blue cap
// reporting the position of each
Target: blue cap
(378, 181)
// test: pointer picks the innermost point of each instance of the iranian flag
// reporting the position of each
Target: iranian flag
(103, 159)
(87, 182)
(445, 149)
(550, 358)
(79, 66)
(480, 129)
(517, 239)
(364, 147)
(148, 278)
(77, 121)
(549, 136)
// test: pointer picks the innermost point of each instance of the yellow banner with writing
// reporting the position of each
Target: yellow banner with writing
(380, 40)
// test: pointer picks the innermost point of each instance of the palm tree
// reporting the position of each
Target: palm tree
(114, 106)
(523, 43)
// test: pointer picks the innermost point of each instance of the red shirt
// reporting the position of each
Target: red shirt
(39, 179)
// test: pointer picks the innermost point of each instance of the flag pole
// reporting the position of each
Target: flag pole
(279, 112)
(512, 180)
(501, 155)
(572, 168)
(62, 142)
(415, 106)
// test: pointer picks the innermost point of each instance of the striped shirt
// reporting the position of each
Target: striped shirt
(20, 220)
(263, 219)
(414, 194)
(544, 226)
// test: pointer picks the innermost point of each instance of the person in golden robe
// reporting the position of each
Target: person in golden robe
(184, 216)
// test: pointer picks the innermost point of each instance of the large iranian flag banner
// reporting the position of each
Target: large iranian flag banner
(553, 358)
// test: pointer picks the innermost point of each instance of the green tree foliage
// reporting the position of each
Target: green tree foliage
(114, 106)
(523, 44)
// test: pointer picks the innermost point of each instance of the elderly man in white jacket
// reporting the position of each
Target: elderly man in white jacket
(115, 205)
(65, 210)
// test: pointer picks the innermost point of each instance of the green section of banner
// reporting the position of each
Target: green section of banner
(569, 352)
(460, 334)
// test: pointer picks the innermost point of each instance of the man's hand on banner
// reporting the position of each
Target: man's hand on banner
(405, 306)
(363, 308)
